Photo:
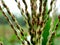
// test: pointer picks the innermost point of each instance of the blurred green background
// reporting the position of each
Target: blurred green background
(7, 36)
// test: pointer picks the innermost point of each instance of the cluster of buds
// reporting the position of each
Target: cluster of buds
(36, 22)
